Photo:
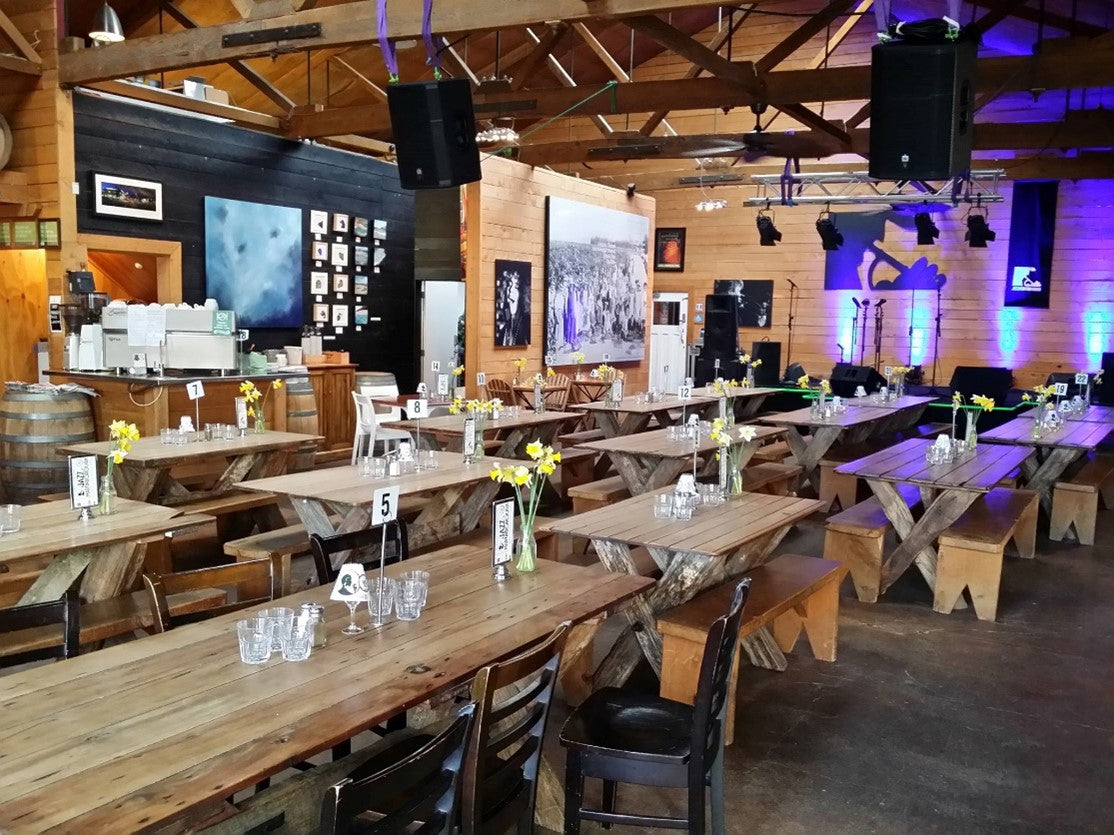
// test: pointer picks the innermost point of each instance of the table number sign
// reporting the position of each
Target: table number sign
(502, 538)
(443, 385)
(195, 390)
(435, 366)
(481, 379)
(384, 505)
(469, 442)
(1082, 379)
(1061, 389)
(684, 392)
(417, 409)
(83, 484)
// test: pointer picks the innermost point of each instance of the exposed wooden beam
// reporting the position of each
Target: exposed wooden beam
(1033, 15)
(566, 80)
(817, 122)
(260, 9)
(23, 47)
(802, 35)
(142, 92)
(366, 82)
(14, 63)
(860, 116)
(524, 73)
(460, 68)
(342, 25)
(821, 57)
(995, 16)
(284, 102)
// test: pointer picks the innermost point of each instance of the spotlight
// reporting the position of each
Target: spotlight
(830, 237)
(767, 232)
(106, 27)
(927, 233)
(978, 233)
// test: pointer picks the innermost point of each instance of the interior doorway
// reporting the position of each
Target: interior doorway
(668, 336)
(135, 269)
(442, 329)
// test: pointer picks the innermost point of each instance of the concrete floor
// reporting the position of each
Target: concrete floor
(928, 722)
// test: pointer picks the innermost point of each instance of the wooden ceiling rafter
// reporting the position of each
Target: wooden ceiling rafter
(532, 63)
(27, 61)
(263, 9)
(802, 35)
(1031, 15)
(562, 75)
(367, 84)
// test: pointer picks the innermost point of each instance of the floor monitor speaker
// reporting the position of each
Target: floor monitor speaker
(921, 112)
(768, 373)
(434, 133)
(988, 381)
(1104, 392)
(705, 371)
(846, 378)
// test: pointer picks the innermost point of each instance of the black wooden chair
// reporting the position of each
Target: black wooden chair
(254, 581)
(364, 545)
(623, 737)
(422, 788)
(504, 755)
(64, 612)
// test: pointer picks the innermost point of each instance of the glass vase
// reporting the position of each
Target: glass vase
(972, 438)
(478, 451)
(260, 426)
(527, 549)
(108, 496)
(750, 376)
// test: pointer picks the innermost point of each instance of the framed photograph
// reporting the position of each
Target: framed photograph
(379, 257)
(361, 316)
(359, 286)
(340, 315)
(340, 223)
(320, 251)
(754, 300)
(669, 250)
(340, 283)
(339, 255)
(513, 285)
(359, 255)
(321, 314)
(125, 197)
(360, 227)
(318, 222)
(379, 230)
(318, 283)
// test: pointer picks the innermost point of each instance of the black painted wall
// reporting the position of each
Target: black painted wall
(194, 158)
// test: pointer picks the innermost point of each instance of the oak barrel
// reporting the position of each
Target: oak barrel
(301, 417)
(32, 426)
(374, 378)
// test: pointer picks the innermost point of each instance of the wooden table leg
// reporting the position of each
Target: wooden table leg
(105, 572)
(748, 407)
(1044, 469)
(808, 454)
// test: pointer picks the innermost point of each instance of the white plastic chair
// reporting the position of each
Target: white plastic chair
(390, 437)
(366, 426)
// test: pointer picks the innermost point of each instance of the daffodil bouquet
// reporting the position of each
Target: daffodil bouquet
(750, 365)
(460, 406)
(530, 481)
(605, 372)
(984, 404)
(255, 400)
(578, 358)
(122, 435)
(822, 390)
(729, 441)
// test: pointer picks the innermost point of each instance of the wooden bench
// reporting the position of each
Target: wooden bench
(926, 430)
(578, 467)
(111, 618)
(571, 439)
(855, 538)
(1076, 502)
(481, 538)
(238, 512)
(772, 478)
(772, 453)
(281, 543)
(972, 548)
(593, 494)
(787, 594)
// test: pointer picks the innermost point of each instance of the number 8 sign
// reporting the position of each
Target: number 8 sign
(384, 505)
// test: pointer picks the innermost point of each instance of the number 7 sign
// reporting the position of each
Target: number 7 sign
(384, 505)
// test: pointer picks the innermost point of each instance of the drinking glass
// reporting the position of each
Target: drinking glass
(166, 436)
(255, 640)
(378, 468)
(365, 466)
(281, 620)
(408, 599)
(663, 506)
(10, 518)
(420, 577)
(429, 459)
(299, 640)
(682, 506)
(380, 596)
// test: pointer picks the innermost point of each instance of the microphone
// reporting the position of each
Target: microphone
(880, 303)
(792, 283)
(866, 303)
(856, 301)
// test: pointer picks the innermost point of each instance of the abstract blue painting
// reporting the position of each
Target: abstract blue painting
(253, 261)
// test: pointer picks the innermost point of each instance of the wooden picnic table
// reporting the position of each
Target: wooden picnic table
(106, 552)
(810, 438)
(947, 490)
(1093, 414)
(746, 401)
(649, 460)
(630, 416)
(338, 499)
(588, 389)
(447, 432)
(1058, 452)
(160, 731)
(716, 544)
(145, 474)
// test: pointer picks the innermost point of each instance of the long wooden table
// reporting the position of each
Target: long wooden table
(716, 544)
(629, 416)
(744, 400)
(514, 433)
(946, 491)
(649, 460)
(1093, 414)
(137, 736)
(106, 552)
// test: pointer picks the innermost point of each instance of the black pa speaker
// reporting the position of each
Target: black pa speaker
(706, 370)
(435, 133)
(768, 373)
(1103, 392)
(846, 378)
(988, 381)
(721, 328)
(921, 120)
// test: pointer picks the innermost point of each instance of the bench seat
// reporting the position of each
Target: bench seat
(283, 543)
(481, 538)
(571, 439)
(578, 467)
(772, 453)
(773, 478)
(840, 487)
(1076, 502)
(787, 594)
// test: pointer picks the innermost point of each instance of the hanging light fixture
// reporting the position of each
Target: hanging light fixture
(768, 234)
(711, 205)
(830, 237)
(106, 26)
(501, 135)
(927, 231)
(978, 232)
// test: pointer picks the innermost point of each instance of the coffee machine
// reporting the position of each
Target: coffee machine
(83, 348)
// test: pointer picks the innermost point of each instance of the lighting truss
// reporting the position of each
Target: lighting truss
(859, 188)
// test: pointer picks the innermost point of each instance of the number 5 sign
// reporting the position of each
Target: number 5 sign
(384, 505)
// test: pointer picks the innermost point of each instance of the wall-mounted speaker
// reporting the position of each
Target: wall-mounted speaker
(434, 133)
(846, 378)
(991, 382)
(921, 113)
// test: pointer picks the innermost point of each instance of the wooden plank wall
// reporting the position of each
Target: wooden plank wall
(23, 299)
(506, 219)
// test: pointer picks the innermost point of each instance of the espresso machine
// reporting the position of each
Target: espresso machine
(197, 339)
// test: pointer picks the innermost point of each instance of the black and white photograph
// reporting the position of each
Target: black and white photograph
(340, 283)
(595, 282)
(379, 230)
(339, 255)
(126, 197)
(340, 223)
(513, 283)
(320, 251)
(318, 222)
(360, 227)
(318, 283)
(359, 255)
(754, 300)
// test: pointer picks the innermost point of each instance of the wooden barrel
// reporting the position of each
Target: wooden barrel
(301, 417)
(374, 378)
(32, 426)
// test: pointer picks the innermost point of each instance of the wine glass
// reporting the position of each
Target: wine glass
(352, 628)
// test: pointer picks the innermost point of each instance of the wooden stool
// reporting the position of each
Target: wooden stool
(1076, 502)
(837, 486)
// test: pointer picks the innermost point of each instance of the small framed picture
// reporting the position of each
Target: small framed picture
(340, 223)
(360, 227)
(340, 255)
(380, 256)
(361, 316)
(318, 283)
(669, 250)
(340, 315)
(126, 197)
(321, 314)
(379, 230)
(359, 255)
(340, 283)
(318, 222)
(359, 285)
(320, 251)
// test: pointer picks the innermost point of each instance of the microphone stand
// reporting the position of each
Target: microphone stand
(912, 313)
(792, 302)
(879, 315)
(936, 342)
(862, 342)
(854, 330)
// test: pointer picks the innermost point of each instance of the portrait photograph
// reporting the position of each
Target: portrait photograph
(512, 302)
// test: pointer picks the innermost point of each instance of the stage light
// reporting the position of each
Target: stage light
(927, 233)
(978, 233)
(830, 236)
(767, 232)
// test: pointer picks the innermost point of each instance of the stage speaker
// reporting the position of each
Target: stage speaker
(704, 370)
(767, 374)
(434, 133)
(846, 378)
(1104, 392)
(921, 119)
(721, 328)
(988, 381)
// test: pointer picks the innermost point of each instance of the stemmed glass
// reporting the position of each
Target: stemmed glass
(352, 628)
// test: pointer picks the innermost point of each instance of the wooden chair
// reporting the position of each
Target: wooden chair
(364, 545)
(254, 580)
(63, 612)
(501, 389)
(504, 752)
(664, 743)
(423, 787)
(557, 392)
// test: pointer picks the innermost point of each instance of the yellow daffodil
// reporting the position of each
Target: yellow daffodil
(117, 456)
(579, 357)
(745, 359)
(458, 371)
(520, 363)
(1025, 397)
(251, 411)
(277, 384)
(825, 387)
(534, 449)
(549, 372)
(521, 475)
(957, 399)
(756, 363)
(802, 381)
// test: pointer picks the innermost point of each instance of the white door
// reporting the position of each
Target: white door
(442, 312)
(668, 334)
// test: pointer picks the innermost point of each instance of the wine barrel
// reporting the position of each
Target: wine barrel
(374, 378)
(301, 417)
(32, 426)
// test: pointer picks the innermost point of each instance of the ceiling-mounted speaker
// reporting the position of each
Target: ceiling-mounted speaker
(434, 133)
